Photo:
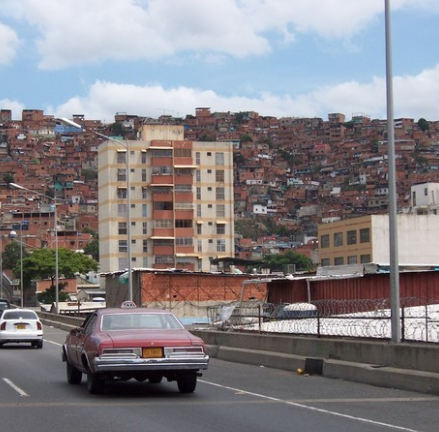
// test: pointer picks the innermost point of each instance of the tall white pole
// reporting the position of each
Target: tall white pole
(393, 205)
(130, 274)
(21, 265)
(1, 265)
(55, 224)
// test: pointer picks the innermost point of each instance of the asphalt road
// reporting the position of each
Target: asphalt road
(35, 397)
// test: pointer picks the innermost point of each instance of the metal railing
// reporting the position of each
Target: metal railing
(338, 318)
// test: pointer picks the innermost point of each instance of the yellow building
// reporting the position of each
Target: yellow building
(181, 195)
(365, 239)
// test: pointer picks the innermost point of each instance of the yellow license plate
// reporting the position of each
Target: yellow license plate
(152, 352)
(20, 326)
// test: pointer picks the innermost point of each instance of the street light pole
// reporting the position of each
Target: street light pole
(128, 195)
(21, 267)
(55, 226)
(393, 208)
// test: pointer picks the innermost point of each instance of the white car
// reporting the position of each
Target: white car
(21, 325)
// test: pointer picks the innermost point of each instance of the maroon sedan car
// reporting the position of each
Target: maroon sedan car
(140, 343)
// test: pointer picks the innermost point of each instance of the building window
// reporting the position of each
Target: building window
(162, 153)
(162, 223)
(123, 246)
(198, 176)
(161, 170)
(123, 228)
(122, 210)
(338, 261)
(143, 157)
(338, 239)
(183, 152)
(183, 223)
(198, 193)
(164, 259)
(121, 193)
(198, 210)
(325, 262)
(324, 241)
(220, 192)
(365, 235)
(365, 259)
(164, 242)
(200, 245)
(221, 229)
(199, 229)
(220, 210)
(219, 176)
(144, 227)
(144, 193)
(352, 237)
(145, 245)
(144, 210)
(352, 259)
(197, 158)
(184, 241)
(144, 175)
(221, 245)
(163, 205)
(219, 158)
(121, 157)
(123, 263)
(121, 175)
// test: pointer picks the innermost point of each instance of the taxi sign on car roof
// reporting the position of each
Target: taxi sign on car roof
(128, 304)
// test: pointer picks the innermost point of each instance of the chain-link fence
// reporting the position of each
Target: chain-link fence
(341, 318)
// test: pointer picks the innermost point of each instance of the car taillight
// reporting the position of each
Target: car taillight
(3, 326)
(39, 326)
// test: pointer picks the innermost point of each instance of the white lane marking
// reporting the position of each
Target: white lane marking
(53, 343)
(16, 388)
(320, 410)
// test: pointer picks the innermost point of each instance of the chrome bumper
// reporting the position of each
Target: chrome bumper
(115, 364)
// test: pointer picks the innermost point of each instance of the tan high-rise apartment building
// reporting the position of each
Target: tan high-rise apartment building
(181, 194)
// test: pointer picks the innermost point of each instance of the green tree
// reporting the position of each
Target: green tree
(49, 296)
(423, 125)
(41, 264)
(277, 262)
(8, 178)
(11, 256)
(92, 249)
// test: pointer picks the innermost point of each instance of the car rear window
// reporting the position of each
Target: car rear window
(140, 321)
(13, 315)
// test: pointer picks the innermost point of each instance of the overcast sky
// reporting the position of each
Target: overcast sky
(303, 58)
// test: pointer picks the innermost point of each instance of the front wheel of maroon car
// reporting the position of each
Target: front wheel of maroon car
(187, 383)
(74, 376)
(95, 383)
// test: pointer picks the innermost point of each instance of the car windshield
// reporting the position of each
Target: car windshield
(17, 314)
(140, 321)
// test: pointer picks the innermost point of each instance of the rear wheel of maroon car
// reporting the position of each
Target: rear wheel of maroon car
(95, 383)
(187, 383)
(74, 376)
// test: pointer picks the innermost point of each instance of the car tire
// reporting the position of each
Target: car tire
(74, 376)
(39, 344)
(95, 383)
(187, 383)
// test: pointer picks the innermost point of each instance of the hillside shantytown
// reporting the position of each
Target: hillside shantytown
(242, 184)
